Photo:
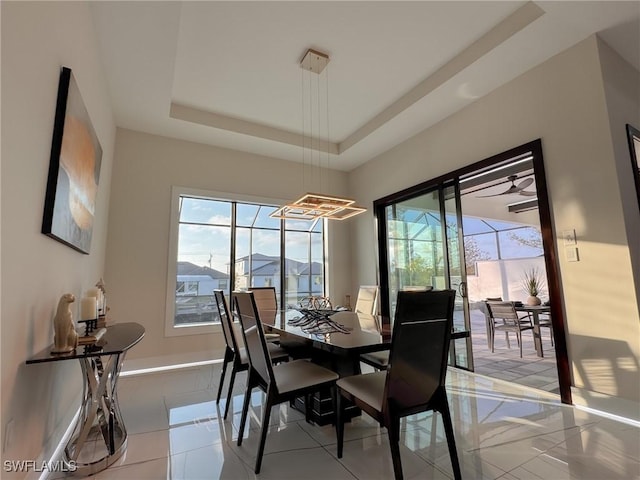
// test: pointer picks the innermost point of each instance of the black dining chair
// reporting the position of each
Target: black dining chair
(415, 379)
(280, 383)
(377, 360)
(380, 360)
(235, 354)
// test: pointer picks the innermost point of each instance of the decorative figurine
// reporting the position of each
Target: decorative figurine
(65, 338)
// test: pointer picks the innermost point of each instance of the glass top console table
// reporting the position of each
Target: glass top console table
(99, 436)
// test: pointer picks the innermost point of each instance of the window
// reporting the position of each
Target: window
(233, 245)
(186, 288)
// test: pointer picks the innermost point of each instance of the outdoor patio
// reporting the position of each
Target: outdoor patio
(506, 364)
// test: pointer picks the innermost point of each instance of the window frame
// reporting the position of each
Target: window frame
(172, 330)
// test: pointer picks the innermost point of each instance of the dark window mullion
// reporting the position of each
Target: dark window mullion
(283, 253)
(232, 262)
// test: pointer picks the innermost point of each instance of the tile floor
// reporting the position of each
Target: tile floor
(505, 363)
(502, 431)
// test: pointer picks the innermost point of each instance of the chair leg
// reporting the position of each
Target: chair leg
(492, 336)
(334, 404)
(266, 414)
(519, 336)
(230, 392)
(339, 421)
(393, 430)
(506, 335)
(451, 439)
(245, 406)
(224, 371)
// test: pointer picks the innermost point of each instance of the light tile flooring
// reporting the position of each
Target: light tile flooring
(505, 363)
(502, 431)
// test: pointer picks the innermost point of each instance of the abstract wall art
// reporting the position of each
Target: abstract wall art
(74, 170)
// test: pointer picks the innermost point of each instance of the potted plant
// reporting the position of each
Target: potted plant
(532, 283)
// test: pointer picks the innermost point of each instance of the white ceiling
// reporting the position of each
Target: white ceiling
(227, 73)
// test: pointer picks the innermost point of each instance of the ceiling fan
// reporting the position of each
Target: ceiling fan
(519, 189)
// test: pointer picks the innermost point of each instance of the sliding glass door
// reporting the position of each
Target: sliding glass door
(421, 247)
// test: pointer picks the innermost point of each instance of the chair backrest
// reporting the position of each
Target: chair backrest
(416, 288)
(486, 307)
(253, 334)
(266, 303)
(504, 311)
(419, 347)
(225, 321)
(265, 298)
(367, 301)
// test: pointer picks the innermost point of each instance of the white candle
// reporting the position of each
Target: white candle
(93, 292)
(88, 308)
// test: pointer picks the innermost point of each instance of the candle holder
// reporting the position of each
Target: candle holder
(89, 325)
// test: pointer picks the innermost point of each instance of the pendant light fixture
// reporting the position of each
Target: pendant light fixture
(312, 206)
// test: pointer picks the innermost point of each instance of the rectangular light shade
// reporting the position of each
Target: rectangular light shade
(312, 206)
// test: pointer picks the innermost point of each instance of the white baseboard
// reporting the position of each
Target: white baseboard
(625, 410)
(161, 361)
(53, 448)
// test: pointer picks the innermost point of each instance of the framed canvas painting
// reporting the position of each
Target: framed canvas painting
(74, 170)
(633, 135)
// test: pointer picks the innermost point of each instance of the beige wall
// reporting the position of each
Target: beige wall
(37, 39)
(145, 169)
(622, 91)
(562, 102)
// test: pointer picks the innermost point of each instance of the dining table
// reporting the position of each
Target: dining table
(334, 339)
(534, 311)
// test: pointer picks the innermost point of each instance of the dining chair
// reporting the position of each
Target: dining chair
(377, 360)
(415, 379)
(267, 301)
(280, 383)
(416, 288)
(510, 321)
(367, 301)
(235, 354)
(380, 360)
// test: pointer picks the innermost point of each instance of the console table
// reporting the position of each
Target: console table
(99, 437)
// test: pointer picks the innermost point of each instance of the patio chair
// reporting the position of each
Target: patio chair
(545, 321)
(505, 319)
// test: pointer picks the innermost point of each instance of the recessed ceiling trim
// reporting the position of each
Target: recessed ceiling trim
(500, 33)
(246, 127)
(504, 30)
